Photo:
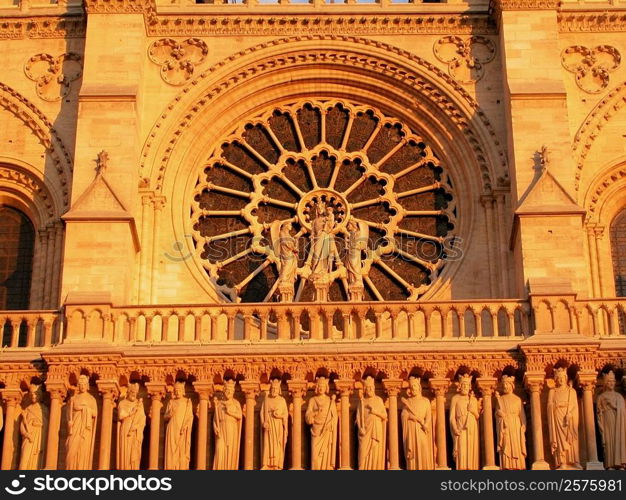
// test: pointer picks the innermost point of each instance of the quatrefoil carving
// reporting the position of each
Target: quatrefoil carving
(178, 60)
(591, 67)
(53, 76)
(465, 57)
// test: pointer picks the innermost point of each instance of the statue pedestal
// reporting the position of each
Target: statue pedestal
(594, 466)
(356, 293)
(540, 465)
(491, 467)
(321, 290)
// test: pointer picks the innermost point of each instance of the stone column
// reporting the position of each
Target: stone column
(298, 390)
(205, 391)
(487, 385)
(109, 390)
(57, 392)
(345, 388)
(157, 393)
(534, 384)
(251, 390)
(588, 383)
(440, 387)
(12, 398)
(392, 387)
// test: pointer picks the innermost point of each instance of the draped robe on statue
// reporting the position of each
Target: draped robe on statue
(372, 433)
(464, 424)
(33, 428)
(132, 420)
(563, 425)
(321, 415)
(179, 414)
(274, 413)
(511, 424)
(612, 422)
(227, 427)
(417, 435)
(81, 416)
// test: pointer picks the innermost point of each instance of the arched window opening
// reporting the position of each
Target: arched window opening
(618, 252)
(17, 241)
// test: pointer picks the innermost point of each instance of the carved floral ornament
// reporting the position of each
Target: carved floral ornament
(177, 60)
(591, 67)
(465, 57)
(53, 76)
(357, 199)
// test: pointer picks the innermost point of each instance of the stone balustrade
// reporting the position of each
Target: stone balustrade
(314, 322)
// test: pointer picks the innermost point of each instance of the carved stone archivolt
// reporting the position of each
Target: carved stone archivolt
(53, 76)
(335, 172)
(591, 66)
(346, 59)
(466, 58)
(177, 59)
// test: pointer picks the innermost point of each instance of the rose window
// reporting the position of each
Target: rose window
(322, 201)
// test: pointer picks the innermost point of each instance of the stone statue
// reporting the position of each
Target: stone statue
(321, 415)
(464, 413)
(511, 427)
(179, 418)
(563, 422)
(82, 414)
(321, 241)
(131, 417)
(417, 430)
(33, 428)
(227, 427)
(371, 420)
(612, 422)
(288, 254)
(355, 243)
(274, 422)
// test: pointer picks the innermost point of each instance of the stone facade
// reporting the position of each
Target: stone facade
(469, 154)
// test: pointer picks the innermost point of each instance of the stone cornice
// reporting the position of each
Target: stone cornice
(290, 24)
(507, 5)
(592, 21)
(42, 27)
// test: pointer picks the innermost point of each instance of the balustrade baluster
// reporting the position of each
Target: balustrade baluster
(230, 328)
(379, 324)
(461, 316)
(197, 327)
(314, 324)
(182, 319)
(165, 326)
(247, 326)
(15, 331)
(31, 330)
(478, 317)
(263, 317)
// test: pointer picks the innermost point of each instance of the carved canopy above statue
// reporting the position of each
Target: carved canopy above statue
(359, 198)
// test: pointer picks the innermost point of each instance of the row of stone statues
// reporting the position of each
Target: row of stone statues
(321, 414)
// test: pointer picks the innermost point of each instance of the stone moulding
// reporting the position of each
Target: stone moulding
(346, 59)
(600, 21)
(43, 27)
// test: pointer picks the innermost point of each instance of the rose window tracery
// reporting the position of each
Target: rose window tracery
(322, 201)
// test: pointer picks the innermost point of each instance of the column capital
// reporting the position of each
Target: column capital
(392, 386)
(439, 385)
(534, 382)
(297, 388)
(344, 386)
(487, 385)
(108, 387)
(56, 389)
(204, 389)
(156, 390)
(587, 380)
(251, 388)
(11, 395)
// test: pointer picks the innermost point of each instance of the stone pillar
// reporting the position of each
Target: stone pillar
(345, 388)
(392, 387)
(12, 398)
(487, 386)
(251, 390)
(298, 390)
(157, 393)
(588, 383)
(534, 384)
(204, 390)
(109, 390)
(57, 392)
(440, 387)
